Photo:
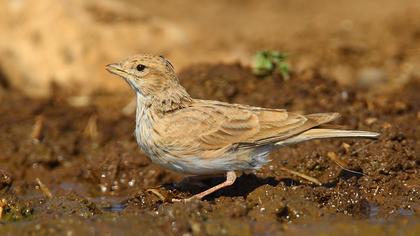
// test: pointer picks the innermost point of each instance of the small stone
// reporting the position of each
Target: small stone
(370, 77)
(332, 155)
(386, 125)
(346, 146)
(371, 120)
(344, 95)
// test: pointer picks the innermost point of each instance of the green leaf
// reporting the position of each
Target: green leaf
(262, 64)
(284, 69)
(268, 62)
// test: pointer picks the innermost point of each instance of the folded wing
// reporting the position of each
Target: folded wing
(211, 128)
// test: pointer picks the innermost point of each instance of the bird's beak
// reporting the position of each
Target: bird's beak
(115, 68)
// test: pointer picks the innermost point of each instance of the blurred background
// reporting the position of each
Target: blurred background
(69, 164)
(70, 41)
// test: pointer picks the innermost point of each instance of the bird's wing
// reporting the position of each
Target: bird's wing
(211, 127)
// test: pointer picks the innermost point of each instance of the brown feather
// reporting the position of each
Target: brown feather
(209, 125)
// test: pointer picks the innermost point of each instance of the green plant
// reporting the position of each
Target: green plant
(269, 62)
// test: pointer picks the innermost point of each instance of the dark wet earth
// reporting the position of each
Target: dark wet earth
(70, 165)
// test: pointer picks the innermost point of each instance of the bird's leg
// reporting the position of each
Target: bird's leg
(230, 179)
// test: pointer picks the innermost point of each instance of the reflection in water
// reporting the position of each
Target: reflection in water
(117, 207)
(374, 211)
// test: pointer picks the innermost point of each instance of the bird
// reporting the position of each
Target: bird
(204, 137)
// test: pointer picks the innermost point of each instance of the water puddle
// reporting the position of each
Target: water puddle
(115, 208)
(374, 212)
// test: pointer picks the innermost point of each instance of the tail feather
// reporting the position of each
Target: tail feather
(328, 133)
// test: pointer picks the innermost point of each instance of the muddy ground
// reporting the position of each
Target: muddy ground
(70, 165)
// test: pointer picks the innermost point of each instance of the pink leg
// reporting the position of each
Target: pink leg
(230, 179)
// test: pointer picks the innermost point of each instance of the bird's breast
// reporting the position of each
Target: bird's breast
(145, 138)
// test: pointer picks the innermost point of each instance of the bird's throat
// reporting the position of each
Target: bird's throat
(166, 101)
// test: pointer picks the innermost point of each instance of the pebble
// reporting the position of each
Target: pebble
(371, 77)
(371, 120)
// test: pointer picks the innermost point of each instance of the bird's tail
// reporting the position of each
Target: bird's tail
(327, 133)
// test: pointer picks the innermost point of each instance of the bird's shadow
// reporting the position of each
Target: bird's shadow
(243, 185)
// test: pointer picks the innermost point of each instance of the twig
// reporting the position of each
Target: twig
(157, 193)
(44, 188)
(303, 176)
(38, 127)
(91, 129)
(360, 149)
(376, 191)
(341, 164)
(3, 203)
(335, 159)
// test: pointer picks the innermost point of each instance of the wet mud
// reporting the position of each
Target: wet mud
(70, 164)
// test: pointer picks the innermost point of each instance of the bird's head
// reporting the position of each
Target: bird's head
(153, 78)
(146, 74)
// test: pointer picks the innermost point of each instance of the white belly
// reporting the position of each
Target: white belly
(206, 166)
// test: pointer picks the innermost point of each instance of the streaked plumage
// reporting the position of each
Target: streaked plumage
(202, 137)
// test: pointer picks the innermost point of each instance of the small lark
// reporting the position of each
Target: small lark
(203, 137)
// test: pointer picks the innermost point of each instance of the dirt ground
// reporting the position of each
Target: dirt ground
(69, 163)
(88, 160)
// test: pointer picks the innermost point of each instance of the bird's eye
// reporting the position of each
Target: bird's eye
(140, 67)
